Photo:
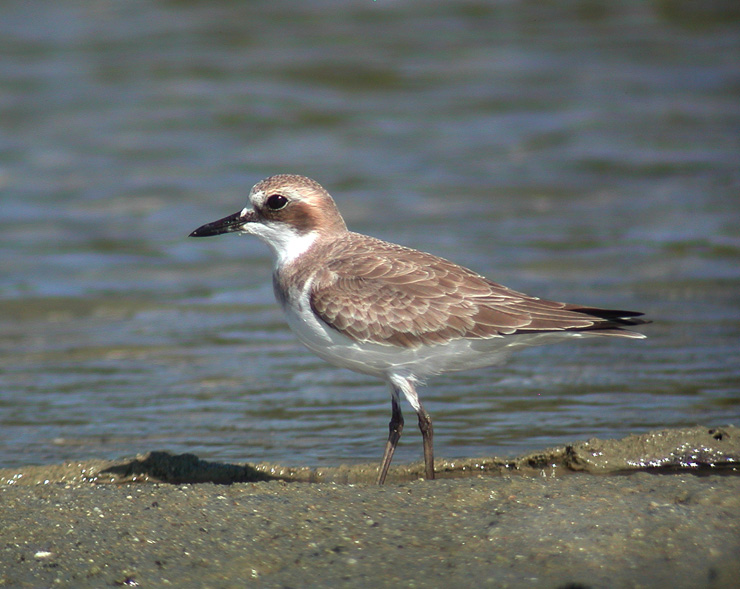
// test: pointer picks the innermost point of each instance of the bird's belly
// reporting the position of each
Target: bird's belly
(383, 359)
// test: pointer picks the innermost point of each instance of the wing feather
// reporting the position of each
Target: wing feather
(380, 292)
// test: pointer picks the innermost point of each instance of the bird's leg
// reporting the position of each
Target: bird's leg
(427, 435)
(395, 427)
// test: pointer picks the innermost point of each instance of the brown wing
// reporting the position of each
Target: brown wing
(384, 293)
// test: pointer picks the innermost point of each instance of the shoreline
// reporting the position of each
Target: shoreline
(693, 449)
(542, 520)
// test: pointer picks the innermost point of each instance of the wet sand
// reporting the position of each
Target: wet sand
(654, 510)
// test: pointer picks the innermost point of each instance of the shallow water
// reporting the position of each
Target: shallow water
(585, 152)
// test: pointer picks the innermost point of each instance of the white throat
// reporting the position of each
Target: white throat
(287, 243)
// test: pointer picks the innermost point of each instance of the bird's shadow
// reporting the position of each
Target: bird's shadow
(164, 467)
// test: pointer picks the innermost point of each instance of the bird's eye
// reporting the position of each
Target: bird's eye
(276, 202)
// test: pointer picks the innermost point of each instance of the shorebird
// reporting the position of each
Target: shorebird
(392, 312)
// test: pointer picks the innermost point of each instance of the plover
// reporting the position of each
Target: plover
(393, 312)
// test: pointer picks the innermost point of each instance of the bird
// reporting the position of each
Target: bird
(392, 312)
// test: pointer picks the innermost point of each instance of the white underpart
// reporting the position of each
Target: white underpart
(403, 366)
(287, 243)
(406, 384)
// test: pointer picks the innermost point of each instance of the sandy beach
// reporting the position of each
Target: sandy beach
(654, 510)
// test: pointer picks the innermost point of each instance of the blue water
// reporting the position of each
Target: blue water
(581, 152)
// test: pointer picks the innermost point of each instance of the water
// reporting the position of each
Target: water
(582, 151)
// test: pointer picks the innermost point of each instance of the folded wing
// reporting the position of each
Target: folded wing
(384, 293)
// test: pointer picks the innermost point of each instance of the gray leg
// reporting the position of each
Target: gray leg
(395, 427)
(427, 435)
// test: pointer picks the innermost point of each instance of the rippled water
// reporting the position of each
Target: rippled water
(582, 151)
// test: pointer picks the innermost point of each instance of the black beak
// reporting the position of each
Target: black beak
(226, 225)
